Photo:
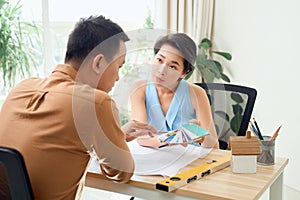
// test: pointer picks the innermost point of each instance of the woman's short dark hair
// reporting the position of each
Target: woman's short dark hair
(89, 33)
(184, 44)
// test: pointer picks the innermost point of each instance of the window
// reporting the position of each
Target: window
(58, 17)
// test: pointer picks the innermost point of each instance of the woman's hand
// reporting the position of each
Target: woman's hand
(134, 129)
(197, 122)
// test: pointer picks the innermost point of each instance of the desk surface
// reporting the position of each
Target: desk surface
(223, 184)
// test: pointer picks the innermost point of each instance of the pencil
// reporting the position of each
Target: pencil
(258, 131)
(164, 145)
(251, 129)
(276, 133)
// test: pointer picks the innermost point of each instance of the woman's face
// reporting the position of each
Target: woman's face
(168, 67)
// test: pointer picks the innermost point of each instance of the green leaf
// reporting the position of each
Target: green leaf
(200, 59)
(18, 44)
(222, 114)
(235, 123)
(2, 2)
(219, 66)
(225, 78)
(123, 118)
(209, 68)
(210, 64)
(200, 67)
(236, 97)
(237, 109)
(189, 74)
(223, 54)
(209, 76)
(205, 43)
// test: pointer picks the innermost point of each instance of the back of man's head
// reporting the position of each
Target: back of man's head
(89, 33)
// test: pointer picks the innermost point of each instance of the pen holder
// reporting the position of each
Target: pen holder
(267, 151)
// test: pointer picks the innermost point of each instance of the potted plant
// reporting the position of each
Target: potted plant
(19, 45)
(209, 68)
(212, 70)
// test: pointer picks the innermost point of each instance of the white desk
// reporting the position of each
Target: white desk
(221, 185)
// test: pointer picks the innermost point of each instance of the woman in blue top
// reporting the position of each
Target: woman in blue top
(167, 101)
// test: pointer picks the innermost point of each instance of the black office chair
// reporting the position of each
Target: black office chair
(232, 107)
(14, 180)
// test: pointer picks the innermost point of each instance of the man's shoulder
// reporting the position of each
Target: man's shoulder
(76, 91)
(90, 94)
(101, 96)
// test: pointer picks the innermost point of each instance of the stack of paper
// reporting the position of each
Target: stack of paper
(163, 161)
(186, 134)
(159, 161)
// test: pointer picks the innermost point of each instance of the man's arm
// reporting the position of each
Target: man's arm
(110, 144)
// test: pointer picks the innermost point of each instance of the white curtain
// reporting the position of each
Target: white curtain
(193, 17)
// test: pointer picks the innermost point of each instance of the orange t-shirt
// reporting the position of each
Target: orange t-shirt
(56, 123)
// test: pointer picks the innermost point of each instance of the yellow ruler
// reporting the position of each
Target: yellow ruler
(193, 174)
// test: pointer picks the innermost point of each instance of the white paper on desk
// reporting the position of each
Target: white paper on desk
(166, 161)
(94, 166)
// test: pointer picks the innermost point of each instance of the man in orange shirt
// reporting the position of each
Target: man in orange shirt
(59, 121)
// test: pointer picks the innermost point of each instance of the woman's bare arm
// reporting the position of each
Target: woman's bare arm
(138, 101)
(202, 107)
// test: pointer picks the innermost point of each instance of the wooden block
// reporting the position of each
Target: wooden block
(244, 145)
(245, 148)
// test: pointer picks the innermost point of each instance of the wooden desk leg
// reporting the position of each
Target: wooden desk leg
(276, 188)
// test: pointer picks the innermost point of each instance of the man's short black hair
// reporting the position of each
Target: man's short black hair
(89, 33)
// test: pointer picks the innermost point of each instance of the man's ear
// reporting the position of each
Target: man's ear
(97, 61)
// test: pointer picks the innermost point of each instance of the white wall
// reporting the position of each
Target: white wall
(264, 39)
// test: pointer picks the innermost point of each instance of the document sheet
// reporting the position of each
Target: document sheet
(166, 161)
